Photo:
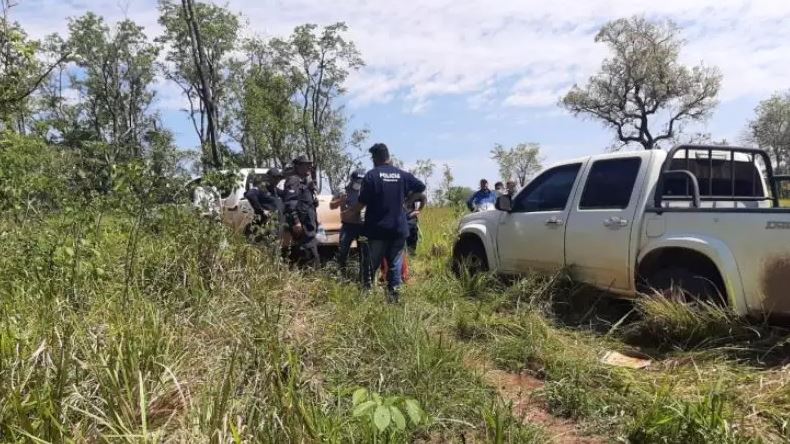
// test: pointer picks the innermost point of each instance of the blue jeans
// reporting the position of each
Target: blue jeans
(392, 250)
(348, 234)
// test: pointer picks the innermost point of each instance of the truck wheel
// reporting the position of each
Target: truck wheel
(685, 285)
(470, 255)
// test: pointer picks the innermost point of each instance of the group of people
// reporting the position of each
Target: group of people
(484, 198)
(390, 197)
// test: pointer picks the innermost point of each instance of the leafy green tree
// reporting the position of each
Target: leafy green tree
(770, 130)
(200, 38)
(520, 162)
(25, 64)
(441, 194)
(341, 156)
(264, 113)
(115, 79)
(423, 169)
(318, 63)
(457, 196)
(644, 81)
(34, 176)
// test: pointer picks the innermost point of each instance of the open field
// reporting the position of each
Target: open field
(167, 329)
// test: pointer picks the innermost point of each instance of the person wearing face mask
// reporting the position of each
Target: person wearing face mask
(350, 216)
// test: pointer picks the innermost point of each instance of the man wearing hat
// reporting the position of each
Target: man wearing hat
(384, 191)
(350, 216)
(300, 204)
(271, 200)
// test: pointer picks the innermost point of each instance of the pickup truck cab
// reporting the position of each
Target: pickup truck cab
(702, 219)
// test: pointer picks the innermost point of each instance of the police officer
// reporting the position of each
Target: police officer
(253, 196)
(270, 198)
(272, 202)
(383, 193)
(300, 202)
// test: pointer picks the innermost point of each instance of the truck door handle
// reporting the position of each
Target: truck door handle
(615, 221)
(554, 221)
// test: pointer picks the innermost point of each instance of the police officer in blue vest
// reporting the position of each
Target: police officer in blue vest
(383, 194)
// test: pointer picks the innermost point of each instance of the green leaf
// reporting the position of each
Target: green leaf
(414, 411)
(359, 395)
(377, 398)
(381, 418)
(363, 408)
(397, 418)
(69, 251)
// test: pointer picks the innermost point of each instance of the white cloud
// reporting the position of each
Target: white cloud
(522, 53)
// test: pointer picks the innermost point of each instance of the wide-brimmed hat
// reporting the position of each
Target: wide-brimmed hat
(302, 160)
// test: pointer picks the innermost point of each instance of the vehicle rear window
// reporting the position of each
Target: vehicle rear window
(610, 184)
(716, 178)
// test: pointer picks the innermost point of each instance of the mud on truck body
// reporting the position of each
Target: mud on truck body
(704, 220)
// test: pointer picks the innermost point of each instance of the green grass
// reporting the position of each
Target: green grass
(167, 328)
(175, 330)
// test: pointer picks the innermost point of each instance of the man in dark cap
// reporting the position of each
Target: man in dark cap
(383, 193)
(272, 202)
(300, 204)
(350, 216)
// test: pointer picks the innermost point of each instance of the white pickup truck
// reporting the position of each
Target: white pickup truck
(703, 219)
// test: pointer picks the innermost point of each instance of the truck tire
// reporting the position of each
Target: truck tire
(469, 254)
(684, 284)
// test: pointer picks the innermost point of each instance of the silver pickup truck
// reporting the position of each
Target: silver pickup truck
(706, 220)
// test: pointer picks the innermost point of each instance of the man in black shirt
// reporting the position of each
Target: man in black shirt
(272, 202)
(300, 212)
(383, 193)
(254, 196)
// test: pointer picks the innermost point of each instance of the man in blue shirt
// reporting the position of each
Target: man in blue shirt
(483, 199)
(383, 193)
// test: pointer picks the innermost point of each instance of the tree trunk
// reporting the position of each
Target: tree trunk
(199, 57)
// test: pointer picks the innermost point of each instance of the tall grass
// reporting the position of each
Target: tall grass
(714, 376)
(204, 338)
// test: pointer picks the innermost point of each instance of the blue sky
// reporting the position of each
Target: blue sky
(446, 80)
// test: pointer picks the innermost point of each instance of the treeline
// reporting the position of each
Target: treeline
(251, 101)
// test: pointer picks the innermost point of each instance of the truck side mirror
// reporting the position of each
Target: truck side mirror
(503, 203)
